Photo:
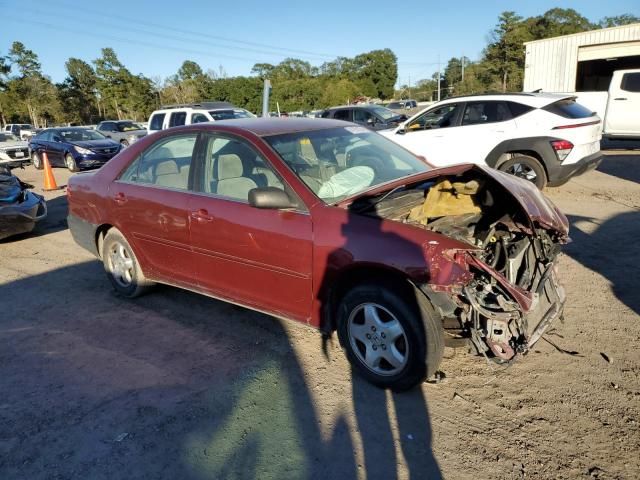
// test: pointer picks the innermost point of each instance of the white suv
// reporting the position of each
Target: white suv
(186, 114)
(544, 138)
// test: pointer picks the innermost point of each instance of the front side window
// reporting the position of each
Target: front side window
(440, 117)
(485, 112)
(156, 121)
(177, 118)
(233, 168)
(360, 115)
(337, 163)
(165, 164)
(631, 82)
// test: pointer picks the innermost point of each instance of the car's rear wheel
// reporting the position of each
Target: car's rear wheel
(36, 160)
(122, 267)
(526, 167)
(393, 339)
(70, 162)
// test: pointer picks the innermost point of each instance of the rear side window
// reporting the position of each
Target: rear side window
(342, 115)
(485, 112)
(631, 82)
(177, 118)
(568, 108)
(156, 121)
(518, 109)
(165, 164)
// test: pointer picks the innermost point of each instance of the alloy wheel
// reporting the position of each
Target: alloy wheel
(378, 339)
(121, 264)
(522, 171)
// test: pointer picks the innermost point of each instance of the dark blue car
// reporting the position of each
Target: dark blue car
(76, 148)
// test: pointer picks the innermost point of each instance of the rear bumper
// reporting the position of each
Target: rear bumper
(560, 174)
(84, 233)
(17, 218)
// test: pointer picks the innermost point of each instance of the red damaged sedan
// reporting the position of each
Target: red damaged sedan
(333, 225)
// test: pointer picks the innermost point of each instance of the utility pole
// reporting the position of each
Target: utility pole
(439, 75)
(409, 85)
(463, 68)
(265, 97)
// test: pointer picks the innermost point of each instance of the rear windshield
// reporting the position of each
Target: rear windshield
(568, 108)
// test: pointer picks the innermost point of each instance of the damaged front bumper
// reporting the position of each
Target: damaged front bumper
(499, 319)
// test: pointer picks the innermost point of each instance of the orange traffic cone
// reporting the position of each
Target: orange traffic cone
(49, 179)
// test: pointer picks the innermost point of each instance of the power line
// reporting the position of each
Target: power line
(165, 28)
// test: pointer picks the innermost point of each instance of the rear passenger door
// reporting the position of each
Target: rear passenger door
(257, 257)
(484, 124)
(149, 204)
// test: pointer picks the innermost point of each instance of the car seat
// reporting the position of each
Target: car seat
(230, 179)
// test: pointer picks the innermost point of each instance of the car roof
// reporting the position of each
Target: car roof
(277, 126)
(361, 105)
(535, 100)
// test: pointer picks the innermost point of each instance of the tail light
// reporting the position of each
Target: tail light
(562, 148)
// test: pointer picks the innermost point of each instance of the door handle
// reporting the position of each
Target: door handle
(201, 215)
(120, 198)
(620, 98)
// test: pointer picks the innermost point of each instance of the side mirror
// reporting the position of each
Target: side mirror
(269, 197)
(56, 138)
(371, 121)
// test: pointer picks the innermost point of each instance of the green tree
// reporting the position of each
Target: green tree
(78, 92)
(557, 22)
(615, 21)
(505, 54)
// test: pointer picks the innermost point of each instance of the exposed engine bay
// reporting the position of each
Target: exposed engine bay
(513, 293)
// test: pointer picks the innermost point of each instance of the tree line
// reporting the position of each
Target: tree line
(106, 88)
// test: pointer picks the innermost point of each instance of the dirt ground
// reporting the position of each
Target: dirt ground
(179, 386)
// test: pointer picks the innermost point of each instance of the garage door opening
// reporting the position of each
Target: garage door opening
(595, 75)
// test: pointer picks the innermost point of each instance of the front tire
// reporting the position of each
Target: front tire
(124, 143)
(70, 162)
(122, 267)
(526, 167)
(393, 339)
(36, 161)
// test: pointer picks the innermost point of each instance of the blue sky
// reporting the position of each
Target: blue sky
(154, 38)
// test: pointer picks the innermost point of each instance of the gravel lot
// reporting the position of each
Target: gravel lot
(176, 385)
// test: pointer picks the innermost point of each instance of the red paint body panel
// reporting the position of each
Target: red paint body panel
(283, 262)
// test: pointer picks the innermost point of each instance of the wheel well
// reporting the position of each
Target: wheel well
(530, 153)
(101, 232)
(352, 277)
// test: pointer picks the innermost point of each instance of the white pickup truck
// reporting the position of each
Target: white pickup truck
(619, 108)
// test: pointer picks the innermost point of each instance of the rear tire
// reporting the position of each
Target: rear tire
(393, 339)
(122, 267)
(36, 161)
(526, 167)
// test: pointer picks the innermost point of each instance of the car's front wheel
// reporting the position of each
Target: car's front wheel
(70, 162)
(526, 167)
(36, 160)
(124, 143)
(122, 267)
(394, 339)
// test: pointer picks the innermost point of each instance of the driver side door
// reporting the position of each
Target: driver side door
(257, 257)
(428, 134)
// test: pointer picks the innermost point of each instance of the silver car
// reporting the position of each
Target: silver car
(13, 151)
(124, 131)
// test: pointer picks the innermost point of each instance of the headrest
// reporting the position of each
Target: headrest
(229, 166)
(168, 167)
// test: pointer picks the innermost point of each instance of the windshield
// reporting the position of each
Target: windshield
(384, 113)
(8, 137)
(128, 126)
(79, 135)
(341, 162)
(230, 114)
